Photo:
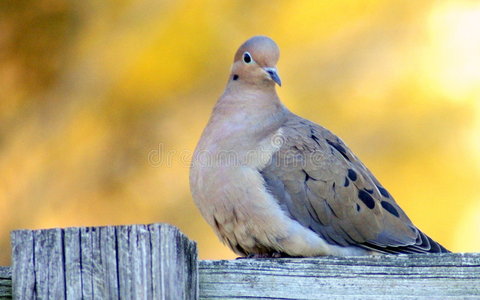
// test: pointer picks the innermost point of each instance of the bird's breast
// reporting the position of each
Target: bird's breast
(226, 184)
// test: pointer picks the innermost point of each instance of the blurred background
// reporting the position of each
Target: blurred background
(102, 103)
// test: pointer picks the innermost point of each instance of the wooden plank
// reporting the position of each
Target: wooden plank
(5, 283)
(23, 268)
(135, 262)
(186, 253)
(130, 262)
(48, 265)
(440, 276)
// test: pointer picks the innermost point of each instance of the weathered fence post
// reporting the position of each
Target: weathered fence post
(129, 262)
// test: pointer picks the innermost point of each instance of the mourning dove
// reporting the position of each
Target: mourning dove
(271, 183)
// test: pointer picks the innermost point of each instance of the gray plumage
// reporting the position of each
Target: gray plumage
(320, 183)
(271, 183)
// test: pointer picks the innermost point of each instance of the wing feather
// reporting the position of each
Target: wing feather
(321, 184)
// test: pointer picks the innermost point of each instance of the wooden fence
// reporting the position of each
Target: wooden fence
(158, 262)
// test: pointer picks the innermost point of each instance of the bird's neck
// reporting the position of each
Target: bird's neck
(255, 100)
(246, 112)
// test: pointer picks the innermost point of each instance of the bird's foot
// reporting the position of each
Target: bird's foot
(265, 255)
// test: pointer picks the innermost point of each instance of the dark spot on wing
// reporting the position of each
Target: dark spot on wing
(366, 198)
(347, 182)
(352, 175)
(339, 148)
(358, 207)
(370, 191)
(390, 208)
(383, 192)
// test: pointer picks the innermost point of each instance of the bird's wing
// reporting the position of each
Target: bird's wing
(321, 184)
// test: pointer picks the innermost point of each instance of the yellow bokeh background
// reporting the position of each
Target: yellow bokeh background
(102, 102)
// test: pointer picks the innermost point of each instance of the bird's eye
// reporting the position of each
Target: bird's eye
(247, 58)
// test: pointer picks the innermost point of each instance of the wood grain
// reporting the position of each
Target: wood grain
(435, 276)
(129, 262)
(5, 283)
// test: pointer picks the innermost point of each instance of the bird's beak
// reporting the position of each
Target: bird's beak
(274, 75)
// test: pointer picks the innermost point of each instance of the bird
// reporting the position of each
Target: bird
(272, 184)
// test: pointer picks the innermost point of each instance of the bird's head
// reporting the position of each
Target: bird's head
(255, 62)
